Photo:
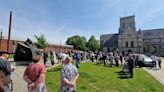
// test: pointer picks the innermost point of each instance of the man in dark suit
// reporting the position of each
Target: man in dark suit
(131, 64)
(45, 57)
(6, 68)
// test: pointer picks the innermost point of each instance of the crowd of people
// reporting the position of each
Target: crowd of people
(35, 73)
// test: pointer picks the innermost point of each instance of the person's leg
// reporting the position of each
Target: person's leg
(121, 62)
(159, 64)
(52, 62)
(58, 61)
(104, 62)
(77, 65)
(7, 88)
(155, 65)
(44, 61)
(131, 72)
(117, 63)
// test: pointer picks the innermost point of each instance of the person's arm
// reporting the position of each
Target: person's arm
(42, 75)
(76, 77)
(71, 84)
(8, 67)
(27, 79)
(65, 80)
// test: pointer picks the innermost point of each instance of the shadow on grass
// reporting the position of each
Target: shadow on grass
(106, 65)
(84, 75)
(152, 68)
(55, 69)
(123, 75)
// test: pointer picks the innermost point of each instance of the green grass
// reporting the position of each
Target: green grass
(97, 78)
(11, 56)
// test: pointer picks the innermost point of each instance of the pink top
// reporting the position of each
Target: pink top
(36, 72)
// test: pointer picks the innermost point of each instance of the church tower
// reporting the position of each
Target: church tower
(128, 36)
(127, 24)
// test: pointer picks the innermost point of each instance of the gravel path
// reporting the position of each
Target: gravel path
(17, 76)
(157, 73)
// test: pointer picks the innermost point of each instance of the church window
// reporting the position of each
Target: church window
(132, 44)
(126, 44)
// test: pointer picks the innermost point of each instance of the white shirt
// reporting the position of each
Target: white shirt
(154, 58)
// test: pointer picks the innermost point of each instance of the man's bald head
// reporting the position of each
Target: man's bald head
(4, 55)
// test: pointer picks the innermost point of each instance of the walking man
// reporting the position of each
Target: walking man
(131, 64)
(77, 57)
(45, 57)
(52, 57)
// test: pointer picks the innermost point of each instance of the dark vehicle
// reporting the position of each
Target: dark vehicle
(24, 53)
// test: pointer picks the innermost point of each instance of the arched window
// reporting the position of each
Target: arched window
(132, 44)
(126, 44)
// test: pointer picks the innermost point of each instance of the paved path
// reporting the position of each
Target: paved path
(17, 76)
(156, 73)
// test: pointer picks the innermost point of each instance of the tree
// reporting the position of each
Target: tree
(77, 41)
(93, 44)
(41, 41)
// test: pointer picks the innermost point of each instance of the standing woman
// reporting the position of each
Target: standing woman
(69, 76)
(35, 74)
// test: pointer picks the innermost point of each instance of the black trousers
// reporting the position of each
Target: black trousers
(45, 60)
(159, 64)
(154, 63)
(131, 72)
(52, 62)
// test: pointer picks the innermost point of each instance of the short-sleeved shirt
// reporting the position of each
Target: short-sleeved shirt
(34, 71)
(154, 58)
(69, 72)
(6, 68)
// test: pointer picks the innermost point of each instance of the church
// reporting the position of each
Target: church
(149, 41)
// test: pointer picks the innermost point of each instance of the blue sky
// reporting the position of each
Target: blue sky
(60, 19)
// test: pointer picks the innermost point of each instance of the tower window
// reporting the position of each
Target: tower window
(123, 25)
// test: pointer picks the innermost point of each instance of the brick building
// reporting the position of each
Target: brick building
(13, 43)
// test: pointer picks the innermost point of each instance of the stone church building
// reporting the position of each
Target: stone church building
(140, 41)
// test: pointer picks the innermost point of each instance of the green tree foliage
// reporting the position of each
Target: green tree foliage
(77, 41)
(93, 44)
(41, 41)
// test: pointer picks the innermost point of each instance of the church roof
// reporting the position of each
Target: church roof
(112, 41)
(127, 17)
(154, 30)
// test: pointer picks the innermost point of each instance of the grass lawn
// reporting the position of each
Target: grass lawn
(11, 56)
(97, 78)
